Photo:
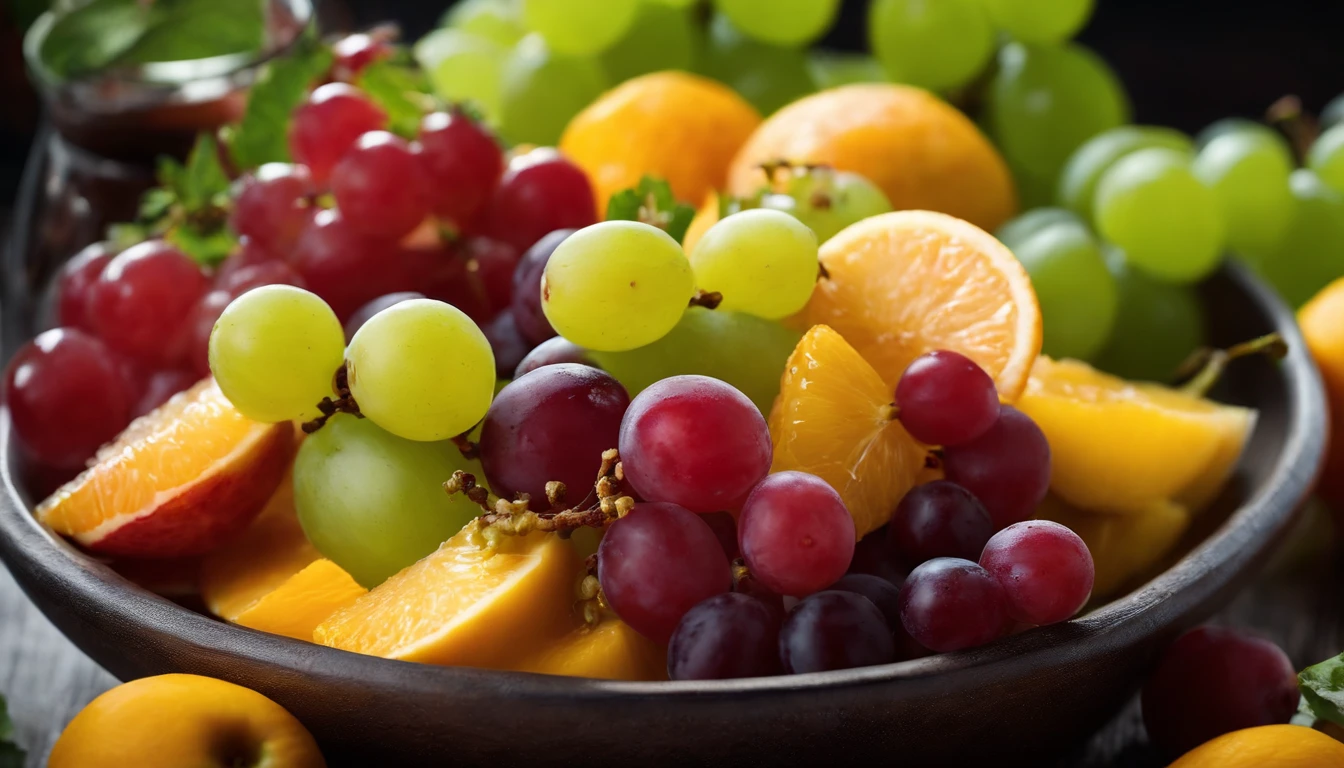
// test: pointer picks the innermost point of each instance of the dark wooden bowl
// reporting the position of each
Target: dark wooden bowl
(1018, 701)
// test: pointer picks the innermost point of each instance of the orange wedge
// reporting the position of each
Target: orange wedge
(303, 601)
(833, 418)
(909, 282)
(179, 481)
(609, 651)
(465, 605)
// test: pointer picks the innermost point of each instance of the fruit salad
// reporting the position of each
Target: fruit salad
(692, 394)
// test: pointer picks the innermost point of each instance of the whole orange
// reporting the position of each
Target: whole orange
(673, 125)
(179, 720)
(1322, 321)
(1280, 746)
(919, 149)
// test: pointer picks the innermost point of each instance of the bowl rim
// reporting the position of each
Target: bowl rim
(1203, 574)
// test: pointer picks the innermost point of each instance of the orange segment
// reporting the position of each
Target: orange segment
(609, 651)
(465, 605)
(909, 282)
(303, 601)
(833, 418)
(178, 481)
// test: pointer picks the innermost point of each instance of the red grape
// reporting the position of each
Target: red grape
(657, 563)
(328, 123)
(143, 298)
(795, 533)
(380, 186)
(161, 386)
(873, 555)
(362, 315)
(1215, 680)
(540, 192)
(556, 349)
(939, 519)
(728, 636)
(67, 395)
(835, 630)
(944, 398)
(241, 280)
(345, 268)
(1007, 468)
(75, 280)
(273, 206)
(695, 441)
(1044, 568)
(526, 302)
(552, 424)
(463, 162)
(441, 273)
(725, 528)
(490, 266)
(949, 604)
(352, 53)
(196, 333)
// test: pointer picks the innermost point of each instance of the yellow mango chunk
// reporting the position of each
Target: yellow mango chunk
(609, 651)
(1125, 548)
(304, 600)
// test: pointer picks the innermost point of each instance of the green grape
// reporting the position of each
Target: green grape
(495, 20)
(1326, 158)
(768, 76)
(1026, 225)
(744, 350)
(616, 285)
(1078, 180)
(1153, 206)
(1077, 292)
(674, 3)
(764, 262)
(827, 200)
(1312, 253)
(1333, 114)
(542, 90)
(1043, 103)
(274, 351)
(832, 69)
(788, 23)
(422, 370)
(463, 67)
(661, 38)
(372, 502)
(579, 27)
(1157, 325)
(1040, 21)
(1248, 171)
(935, 45)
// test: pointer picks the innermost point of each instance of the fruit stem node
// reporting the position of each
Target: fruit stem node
(1206, 365)
(706, 299)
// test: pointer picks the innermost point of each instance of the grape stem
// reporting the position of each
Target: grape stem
(706, 299)
(468, 449)
(1297, 124)
(1206, 365)
(344, 402)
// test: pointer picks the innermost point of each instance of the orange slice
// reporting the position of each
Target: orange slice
(833, 418)
(465, 605)
(609, 651)
(303, 601)
(909, 282)
(179, 481)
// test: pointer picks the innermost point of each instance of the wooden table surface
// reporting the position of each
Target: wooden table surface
(1295, 603)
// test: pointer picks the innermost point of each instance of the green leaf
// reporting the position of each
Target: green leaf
(10, 754)
(93, 36)
(1322, 686)
(207, 246)
(652, 202)
(197, 29)
(261, 136)
(402, 91)
(204, 179)
(155, 204)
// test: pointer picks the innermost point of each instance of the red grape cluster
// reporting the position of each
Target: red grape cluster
(135, 325)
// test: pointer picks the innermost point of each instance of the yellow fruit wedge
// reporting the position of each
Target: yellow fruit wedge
(833, 418)
(1125, 548)
(464, 605)
(1120, 447)
(303, 601)
(609, 651)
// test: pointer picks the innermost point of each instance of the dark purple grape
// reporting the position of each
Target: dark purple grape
(508, 345)
(939, 519)
(834, 630)
(552, 424)
(873, 555)
(949, 604)
(554, 350)
(1007, 468)
(728, 636)
(526, 302)
(362, 315)
(946, 399)
(885, 595)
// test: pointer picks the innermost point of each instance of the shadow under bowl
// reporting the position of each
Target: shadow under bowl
(1019, 701)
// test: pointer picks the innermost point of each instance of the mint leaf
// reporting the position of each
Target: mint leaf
(197, 29)
(189, 208)
(652, 202)
(206, 244)
(10, 754)
(92, 37)
(262, 135)
(403, 93)
(1322, 687)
